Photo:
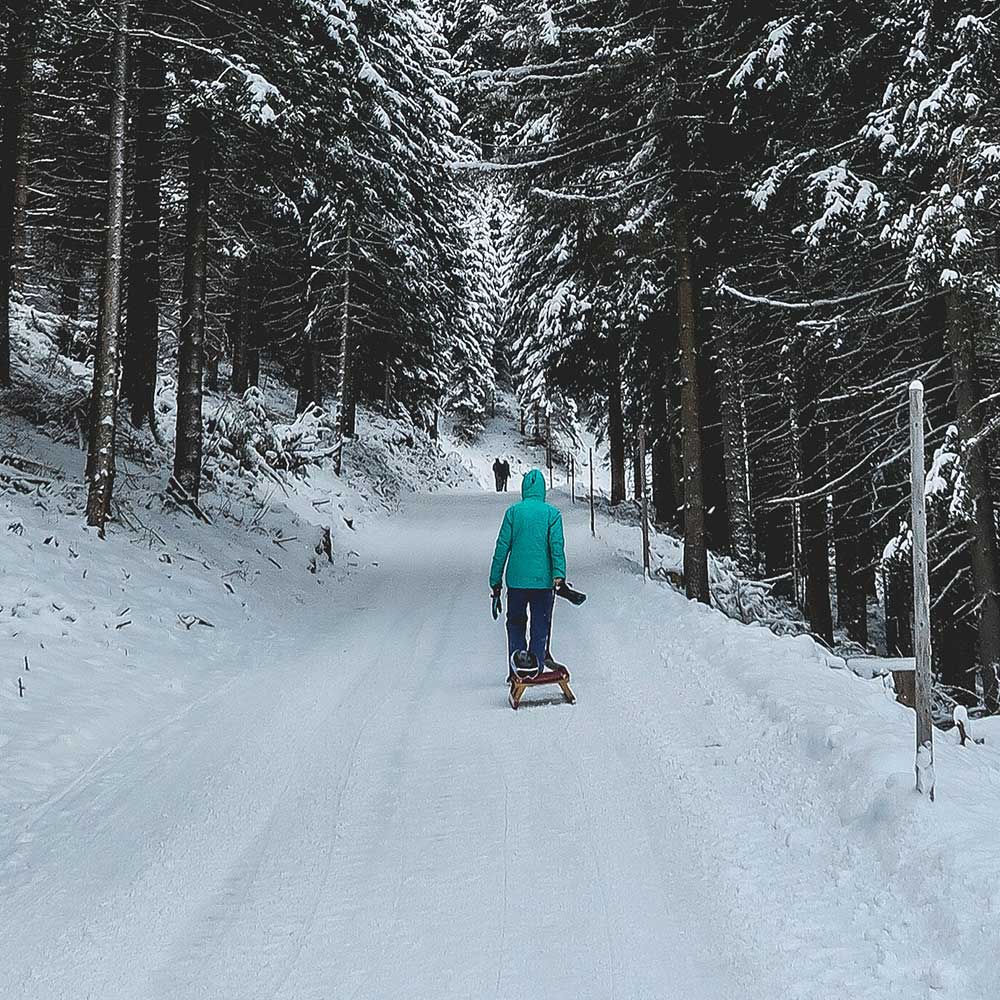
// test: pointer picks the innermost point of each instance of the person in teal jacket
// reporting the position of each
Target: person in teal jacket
(530, 545)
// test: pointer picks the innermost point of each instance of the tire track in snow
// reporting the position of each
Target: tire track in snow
(403, 841)
(320, 887)
(429, 656)
(506, 871)
(207, 934)
(391, 690)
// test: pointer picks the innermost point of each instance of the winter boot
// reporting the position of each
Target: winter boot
(523, 664)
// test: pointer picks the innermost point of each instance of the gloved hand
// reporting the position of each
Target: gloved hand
(563, 589)
(497, 607)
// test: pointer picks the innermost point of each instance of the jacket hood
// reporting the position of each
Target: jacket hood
(533, 485)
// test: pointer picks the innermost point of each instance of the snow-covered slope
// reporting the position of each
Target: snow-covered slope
(105, 638)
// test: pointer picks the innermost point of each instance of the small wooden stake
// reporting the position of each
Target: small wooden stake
(548, 445)
(641, 457)
(921, 597)
(20, 688)
(572, 479)
(593, 530)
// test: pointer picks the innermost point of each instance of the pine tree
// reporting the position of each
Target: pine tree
(22, 24)
(101, 465)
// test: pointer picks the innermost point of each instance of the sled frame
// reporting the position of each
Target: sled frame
(559, 675)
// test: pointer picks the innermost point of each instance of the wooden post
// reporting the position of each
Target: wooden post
(548, 445)
(572, 479)
(641, 479)
(593, 530)
(921, 597)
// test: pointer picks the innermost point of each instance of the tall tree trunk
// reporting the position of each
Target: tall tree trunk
(664, 494)
(344, 412)
(955, 647)
(695, 549)
(24, 160)
(253, 356)
(191, 335)
(851, 531)
(142, 317)
(311, 363)
(212, 358)
(309, 370)
(16, 104)
(715, 502)
(665, 487)
(616, 420)
(734, 442)
(975, 462)
(69, 304)
(104, 397)
(774, 530)
(898, 587)
(815, 534)
(238, 319)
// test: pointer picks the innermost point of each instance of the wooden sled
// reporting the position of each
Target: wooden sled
(557, 675)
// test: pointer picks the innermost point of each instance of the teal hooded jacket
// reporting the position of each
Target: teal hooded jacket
(530, 543)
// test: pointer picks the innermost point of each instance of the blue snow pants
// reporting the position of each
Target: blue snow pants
(519, 601)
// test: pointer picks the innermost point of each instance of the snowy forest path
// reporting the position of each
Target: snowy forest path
(360, 814)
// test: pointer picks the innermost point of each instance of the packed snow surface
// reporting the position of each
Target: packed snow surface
(327, 796)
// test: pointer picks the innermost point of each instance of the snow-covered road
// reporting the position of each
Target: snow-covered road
(358, 813)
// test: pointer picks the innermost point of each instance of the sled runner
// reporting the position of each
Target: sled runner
(555, 673)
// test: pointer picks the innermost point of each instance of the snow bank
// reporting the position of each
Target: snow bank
(854, 792)
(105, 640)
(748, 601)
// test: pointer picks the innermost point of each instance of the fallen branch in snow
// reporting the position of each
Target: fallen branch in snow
(961, 719)
(242, 437)
(190, 620)
(21, 481)
(28, 465)
(185, 501)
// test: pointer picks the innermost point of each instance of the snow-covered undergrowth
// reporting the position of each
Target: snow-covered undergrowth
(889, 861)
(106, 638)
(738, 596)
(861, 742)
(893, 863)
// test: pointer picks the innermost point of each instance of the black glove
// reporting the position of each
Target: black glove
(497, 607)
(565, 591)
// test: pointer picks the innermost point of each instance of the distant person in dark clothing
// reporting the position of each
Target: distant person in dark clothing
(504, 474)
(498, 473)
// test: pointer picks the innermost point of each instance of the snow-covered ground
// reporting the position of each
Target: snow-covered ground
(319, 789)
